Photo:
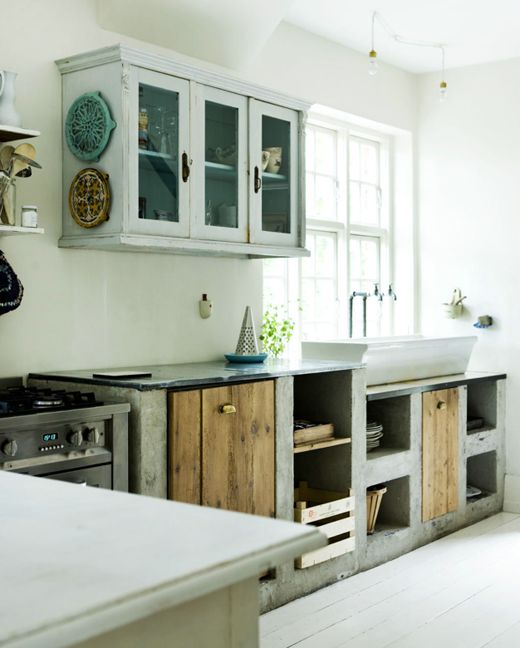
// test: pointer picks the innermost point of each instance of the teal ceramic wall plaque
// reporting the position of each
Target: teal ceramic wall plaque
(88, 126)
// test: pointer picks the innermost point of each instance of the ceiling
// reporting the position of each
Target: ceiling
(473, 31)
(234, 32)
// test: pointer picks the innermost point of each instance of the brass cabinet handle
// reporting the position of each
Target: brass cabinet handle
(185, 168)
(441, 405)
(227, 409)
(258, 180)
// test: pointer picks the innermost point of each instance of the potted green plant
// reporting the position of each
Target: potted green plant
(277, 330)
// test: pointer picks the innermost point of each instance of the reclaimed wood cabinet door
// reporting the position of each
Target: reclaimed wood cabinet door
(222, 447)
(440, 452)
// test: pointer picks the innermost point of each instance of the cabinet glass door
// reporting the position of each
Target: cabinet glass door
(274, 154)
(220, 192)
(160, 197)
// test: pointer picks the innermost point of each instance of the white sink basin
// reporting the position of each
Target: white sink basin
(396, 359)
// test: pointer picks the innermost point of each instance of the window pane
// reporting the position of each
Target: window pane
(354, 202)
(310, 149)
(325, 205)
(274, 291)
(319, 287)
(369, 205)
(364, 263)
(325, 256)
(370, 162)
(325, 152)
(364, 273)
(310, 204)
(364, 203)
(325, 298)
(308, 300)
(364, 160)
(354, 155)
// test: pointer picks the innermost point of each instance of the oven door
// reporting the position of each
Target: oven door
(98, 476)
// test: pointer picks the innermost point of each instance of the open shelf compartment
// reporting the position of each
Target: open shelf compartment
(394, 510)
(482, 404)
(481, 472)
(394, 415)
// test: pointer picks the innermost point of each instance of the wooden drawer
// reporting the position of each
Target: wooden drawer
(333, 513)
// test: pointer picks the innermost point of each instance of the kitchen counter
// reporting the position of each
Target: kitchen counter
(199, 374)
(82, 562)
(376, 392)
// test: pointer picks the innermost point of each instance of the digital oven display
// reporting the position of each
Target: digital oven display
(53, 436)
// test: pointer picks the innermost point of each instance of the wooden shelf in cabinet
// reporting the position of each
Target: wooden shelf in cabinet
(13, 230)
(318, 445)
(12, 133)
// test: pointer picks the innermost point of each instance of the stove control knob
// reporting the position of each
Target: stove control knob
(76, 437)
(10, 448)
(92, 434)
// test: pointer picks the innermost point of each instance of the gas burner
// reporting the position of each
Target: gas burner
(15, 401)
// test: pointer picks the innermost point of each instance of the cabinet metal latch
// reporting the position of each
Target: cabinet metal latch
(185, 167)
(258, 180)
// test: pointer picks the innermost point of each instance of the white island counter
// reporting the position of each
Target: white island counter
(86, 567)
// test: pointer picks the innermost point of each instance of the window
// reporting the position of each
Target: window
(348, 234)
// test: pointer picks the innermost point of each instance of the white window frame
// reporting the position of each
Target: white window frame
(344, 228)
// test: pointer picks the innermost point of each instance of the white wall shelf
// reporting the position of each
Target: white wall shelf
(11, 133)
(13, 230)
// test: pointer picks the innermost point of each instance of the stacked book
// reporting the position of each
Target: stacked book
(374, 435)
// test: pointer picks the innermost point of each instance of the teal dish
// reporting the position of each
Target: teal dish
(245, 359)
(88, 127)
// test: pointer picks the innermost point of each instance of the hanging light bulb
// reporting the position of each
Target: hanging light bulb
(443, 91)
(373, 64)
(443, 86)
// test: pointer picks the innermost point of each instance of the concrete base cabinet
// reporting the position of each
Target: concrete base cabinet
(228, 442)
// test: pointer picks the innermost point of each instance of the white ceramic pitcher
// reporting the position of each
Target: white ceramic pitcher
(8, 114)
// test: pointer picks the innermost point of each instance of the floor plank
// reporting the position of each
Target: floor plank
(421, 599)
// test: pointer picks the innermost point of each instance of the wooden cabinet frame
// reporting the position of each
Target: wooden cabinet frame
(116, 73)
(219, 459)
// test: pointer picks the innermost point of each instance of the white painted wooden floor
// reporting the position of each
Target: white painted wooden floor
(462, 591)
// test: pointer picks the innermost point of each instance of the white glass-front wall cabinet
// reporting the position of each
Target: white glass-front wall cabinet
(198, 163)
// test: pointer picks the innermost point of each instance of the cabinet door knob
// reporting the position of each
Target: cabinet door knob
(227, 409)
(441, 405)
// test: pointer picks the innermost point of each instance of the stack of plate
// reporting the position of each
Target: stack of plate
(374, 435)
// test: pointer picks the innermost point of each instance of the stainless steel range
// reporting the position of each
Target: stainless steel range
(63, 435)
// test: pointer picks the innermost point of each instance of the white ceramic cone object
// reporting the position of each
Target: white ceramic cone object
(247, 342)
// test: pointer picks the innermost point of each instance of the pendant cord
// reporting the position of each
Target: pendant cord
(398, 38)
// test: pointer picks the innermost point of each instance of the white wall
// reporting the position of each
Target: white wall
(86, 309)
(469, 189)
